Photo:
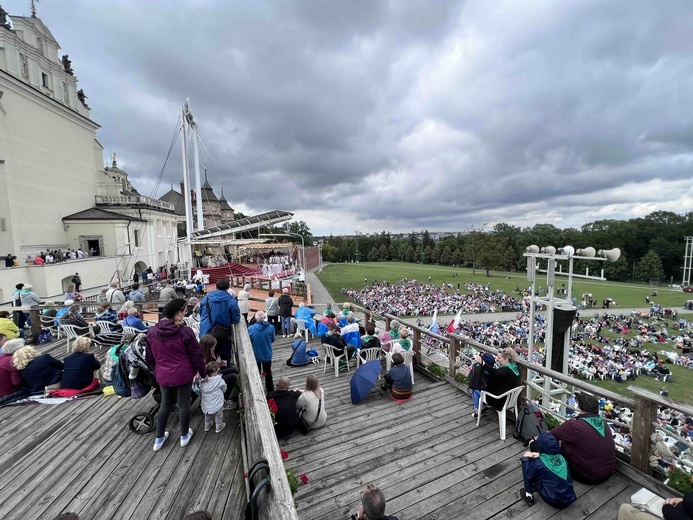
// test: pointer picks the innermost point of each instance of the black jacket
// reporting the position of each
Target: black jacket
(285, 305)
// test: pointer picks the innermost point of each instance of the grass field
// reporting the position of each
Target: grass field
(351, 276)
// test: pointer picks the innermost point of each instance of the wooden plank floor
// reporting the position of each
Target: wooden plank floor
(427, 455)
(81, 456)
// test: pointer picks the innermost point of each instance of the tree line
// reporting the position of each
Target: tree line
(652, 247)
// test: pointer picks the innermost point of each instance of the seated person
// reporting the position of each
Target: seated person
(136, 295)
(327, 319)
(79, 366)
(105, 313)
(398, 379)
(299, 357)
(306, 313)
(74, 317)
(62, 312)
(334, 338)
(134, 321)
(351, 325)
(11, 384)
(37, 370)
(547, 472)
(404, 344)
(7, 326)
(311, 404)
(123, 312)
(673, 509)
(504, 378)
(370, 340)
(392, 334)
(286, 415)
(587, 443)
(70, 293)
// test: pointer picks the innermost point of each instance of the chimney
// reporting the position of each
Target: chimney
(182, 188)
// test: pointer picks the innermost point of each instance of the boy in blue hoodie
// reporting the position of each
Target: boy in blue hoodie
(547, 472)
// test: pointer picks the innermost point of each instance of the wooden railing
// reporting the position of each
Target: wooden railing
(260, 440)
(644, 404)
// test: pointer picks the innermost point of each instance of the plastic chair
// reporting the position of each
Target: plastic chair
(367, 354)
(48, 323)
(409, 361)
(106, 326)
(132, 330)
(330, 353)
(74, 332)
(510, 402)
(301, 327)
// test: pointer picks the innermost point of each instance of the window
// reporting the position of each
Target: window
(44, 80)
(24, 65)
(137, 238)
(41, 47)
(66, 95)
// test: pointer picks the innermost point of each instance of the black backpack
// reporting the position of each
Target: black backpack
(530, 423)
(478, 377)
(120, 379)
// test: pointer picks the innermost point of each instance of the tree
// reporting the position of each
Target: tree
(329, 253)
(299, 228)
(650, 267)
(382, 253)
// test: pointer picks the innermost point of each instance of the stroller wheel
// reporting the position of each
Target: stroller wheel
(142, 423)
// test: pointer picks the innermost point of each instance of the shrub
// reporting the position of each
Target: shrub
(437, 370)
(680, 481)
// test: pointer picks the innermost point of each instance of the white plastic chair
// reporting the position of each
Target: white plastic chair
(132, 330)
(510, 402)
(74, 332)
(301, 327)
(106, 326)
(365, 355)
(48, 323)
(332, 355)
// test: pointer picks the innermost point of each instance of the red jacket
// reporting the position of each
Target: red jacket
(174, 353)
(10, 378)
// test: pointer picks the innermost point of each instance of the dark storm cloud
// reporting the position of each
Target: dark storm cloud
(400, 115)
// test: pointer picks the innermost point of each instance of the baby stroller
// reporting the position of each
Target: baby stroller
(132, 363)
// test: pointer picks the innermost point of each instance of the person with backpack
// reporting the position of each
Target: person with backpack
(478, 378)
(546, 471)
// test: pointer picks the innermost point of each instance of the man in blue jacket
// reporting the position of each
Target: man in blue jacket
(220, 309)
(262, 336)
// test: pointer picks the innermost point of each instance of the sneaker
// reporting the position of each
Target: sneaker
(223, 425)
(230, 405)
(185, 439)
(527, 497)
(475, 415)
(208, 427)
(158, 444)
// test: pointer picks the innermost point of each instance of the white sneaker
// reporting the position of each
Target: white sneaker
(223, 425)
(185, 439)
(160, 444)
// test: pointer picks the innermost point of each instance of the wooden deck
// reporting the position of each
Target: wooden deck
(81, 456)
(427, 455)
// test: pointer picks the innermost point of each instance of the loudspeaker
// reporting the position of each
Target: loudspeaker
(531, 269)
(548, 250)
(562, 320)
(588, 252)
(532, 249)
(611, 255)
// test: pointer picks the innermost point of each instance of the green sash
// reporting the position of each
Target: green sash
(513, 367)
(556, 464)
(595, 422)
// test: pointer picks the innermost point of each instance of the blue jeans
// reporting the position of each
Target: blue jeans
(286, 324)
(476, 397)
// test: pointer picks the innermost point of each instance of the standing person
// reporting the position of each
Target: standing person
(135, 277)
(77, 280)
(29, 299)
(244, 301)
(547, 472)
(262, 336)
(8, 261)
(115, 295)
(212, 390)
(218, 311)
(311, 404)
(286, 305)
(272, 310)
(176, 357)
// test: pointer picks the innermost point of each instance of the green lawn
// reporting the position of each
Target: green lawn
(350, 276)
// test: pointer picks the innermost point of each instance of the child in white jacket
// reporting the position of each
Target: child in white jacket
(212, 390)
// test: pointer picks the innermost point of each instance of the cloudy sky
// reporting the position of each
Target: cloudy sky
(401, 114)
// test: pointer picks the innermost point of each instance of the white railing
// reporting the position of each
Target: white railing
(124, 200)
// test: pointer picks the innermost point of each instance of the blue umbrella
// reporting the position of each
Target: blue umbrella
(364, 380)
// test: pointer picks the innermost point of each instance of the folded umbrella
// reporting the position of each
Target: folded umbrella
(364, 380)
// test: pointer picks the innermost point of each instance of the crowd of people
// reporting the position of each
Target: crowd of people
(408, 297)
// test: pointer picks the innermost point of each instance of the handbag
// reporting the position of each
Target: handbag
(219, 332)
(303, 426)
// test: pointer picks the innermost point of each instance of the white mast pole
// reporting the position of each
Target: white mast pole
(198, 186)
(186, 187)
